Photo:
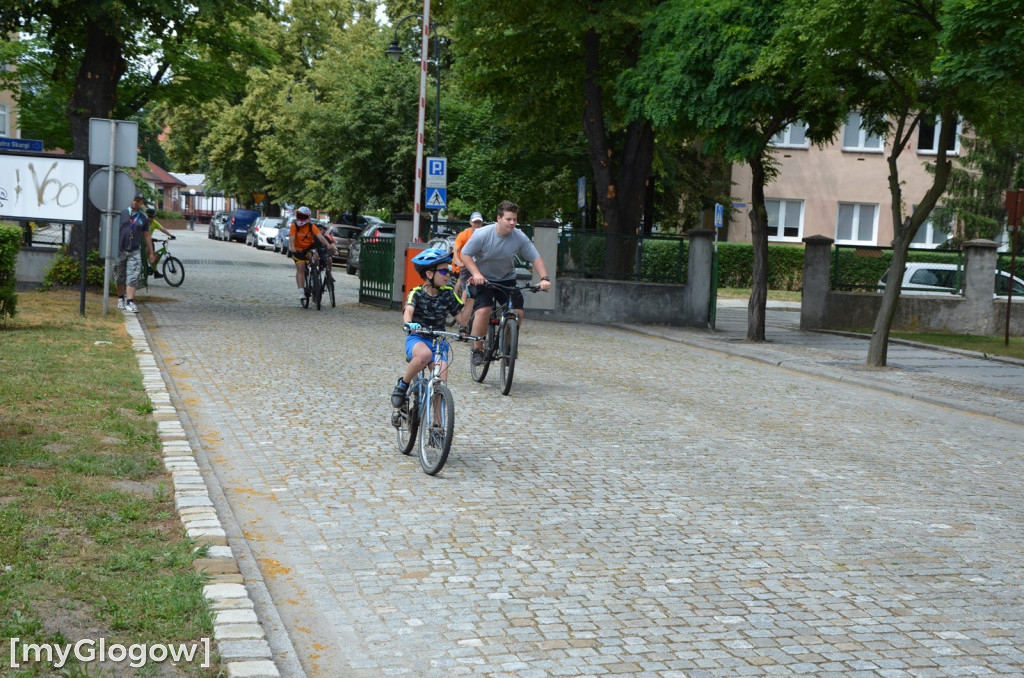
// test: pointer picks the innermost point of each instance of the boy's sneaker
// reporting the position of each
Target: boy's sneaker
(477, 357)
(120, 303)
(398, 395)
(157, 274)
(130, 307)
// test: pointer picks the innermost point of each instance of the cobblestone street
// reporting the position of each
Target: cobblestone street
(635, 507)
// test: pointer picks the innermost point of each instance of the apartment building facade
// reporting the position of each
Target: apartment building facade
(841, 190)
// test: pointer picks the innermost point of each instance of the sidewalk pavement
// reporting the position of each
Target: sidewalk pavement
(963, 380)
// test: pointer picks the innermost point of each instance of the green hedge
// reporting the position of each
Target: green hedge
(10, 243)
(666, 261)
(66, 271)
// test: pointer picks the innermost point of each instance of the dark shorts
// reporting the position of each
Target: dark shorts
(485, 296)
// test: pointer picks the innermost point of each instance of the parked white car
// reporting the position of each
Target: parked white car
(265, 232)
(946, 280)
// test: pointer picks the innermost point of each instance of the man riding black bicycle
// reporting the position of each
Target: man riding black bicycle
(303, 236)
(490, 257)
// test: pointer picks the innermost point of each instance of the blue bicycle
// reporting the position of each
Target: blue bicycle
(429, 408)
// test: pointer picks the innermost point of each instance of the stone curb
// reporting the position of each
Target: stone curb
(241, 641)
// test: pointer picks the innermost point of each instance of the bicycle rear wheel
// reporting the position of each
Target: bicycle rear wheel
(174, 271)
(509, 352)
(436, 433)
(329, 285)
(406, 420)
(478, 372)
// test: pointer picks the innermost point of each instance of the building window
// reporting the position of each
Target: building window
(794, 136)
(785, 219)
(855, 138)
(5, 130)
(931, 234)
(928, 136)
(857, 224)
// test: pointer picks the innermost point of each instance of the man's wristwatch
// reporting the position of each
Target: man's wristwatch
(546, 278)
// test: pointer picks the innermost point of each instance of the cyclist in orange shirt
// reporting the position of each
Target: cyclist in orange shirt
(303, 236)
(476, 220)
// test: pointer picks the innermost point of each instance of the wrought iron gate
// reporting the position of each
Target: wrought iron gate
(377, 271)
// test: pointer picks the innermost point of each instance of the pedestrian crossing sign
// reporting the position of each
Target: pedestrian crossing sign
(437, 198)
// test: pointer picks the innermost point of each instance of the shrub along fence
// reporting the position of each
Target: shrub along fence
(10, 243)
(860, 268)
(663, 259)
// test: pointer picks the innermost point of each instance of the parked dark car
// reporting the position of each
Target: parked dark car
(373, 231)
(343, 237)
(239, 222)
(362, 221)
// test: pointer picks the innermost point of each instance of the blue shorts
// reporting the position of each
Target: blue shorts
(414, 339)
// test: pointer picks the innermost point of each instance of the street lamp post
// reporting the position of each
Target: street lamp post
(395, 51)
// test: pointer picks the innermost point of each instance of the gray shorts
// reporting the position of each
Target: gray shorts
(128, 268)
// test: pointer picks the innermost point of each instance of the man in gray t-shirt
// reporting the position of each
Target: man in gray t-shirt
(489, 256)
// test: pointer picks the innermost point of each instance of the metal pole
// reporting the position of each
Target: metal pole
(437, 116)
(420, 121)
(109, 216)
(1013, 267)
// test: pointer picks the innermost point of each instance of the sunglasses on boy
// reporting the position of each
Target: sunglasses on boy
(442, 271)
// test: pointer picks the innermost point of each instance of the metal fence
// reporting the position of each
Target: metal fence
(46, 234)
(645, 258)
(377, 271)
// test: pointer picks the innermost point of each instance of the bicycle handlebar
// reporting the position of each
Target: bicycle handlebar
(457, 336)
(510, 288)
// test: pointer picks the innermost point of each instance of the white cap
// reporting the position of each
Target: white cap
(476, 216)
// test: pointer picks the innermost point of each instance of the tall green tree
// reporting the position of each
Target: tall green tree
(116, 58)
(696, 77)
(975, 196)
(886, 52)
(550, 68)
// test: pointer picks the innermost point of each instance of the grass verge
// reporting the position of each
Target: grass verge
(968, 342)
(90, 545)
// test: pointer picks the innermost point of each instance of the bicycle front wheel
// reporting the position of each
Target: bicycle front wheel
(437, 429)
(407, 421)
(478, 372)
(318, 290)
(509, 351)
(174, 271)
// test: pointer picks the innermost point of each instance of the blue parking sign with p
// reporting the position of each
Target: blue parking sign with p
(435, 167)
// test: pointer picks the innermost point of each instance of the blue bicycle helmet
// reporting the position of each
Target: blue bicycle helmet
(429, 258)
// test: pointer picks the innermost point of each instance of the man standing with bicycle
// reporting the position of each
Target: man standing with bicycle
(302, 236)
(490, 257)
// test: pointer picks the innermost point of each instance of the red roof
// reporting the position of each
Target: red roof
(159, 175)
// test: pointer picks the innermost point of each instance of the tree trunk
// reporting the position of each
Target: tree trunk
(759, 238)
(94, 96)
(905, 228)
(620, 197)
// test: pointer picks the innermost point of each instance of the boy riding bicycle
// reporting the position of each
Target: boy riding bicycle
(490, 257)
(427, 307)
